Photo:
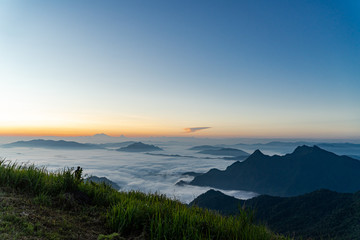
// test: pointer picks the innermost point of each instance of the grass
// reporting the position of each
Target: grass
(60, 205)
(22, 217)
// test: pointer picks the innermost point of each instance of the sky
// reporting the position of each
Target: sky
(180, 68)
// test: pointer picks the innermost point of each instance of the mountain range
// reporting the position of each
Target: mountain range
(305, 170)
(225, 152)
(204, 147)
(52, 144)
(284, 147)
(127, 146)
(321, 214)
(139, 147)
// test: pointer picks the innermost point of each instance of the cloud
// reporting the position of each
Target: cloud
(156, 174)
(195, 129)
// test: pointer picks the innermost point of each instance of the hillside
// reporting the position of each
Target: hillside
(37, 204)
(305, 170)
(139, 147)
(322, 214)
(24, 216)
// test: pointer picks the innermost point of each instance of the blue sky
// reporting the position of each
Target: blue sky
(242, 68)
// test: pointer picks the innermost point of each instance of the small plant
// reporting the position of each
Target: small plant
(43, 199)
(112, 236)
(78, 174)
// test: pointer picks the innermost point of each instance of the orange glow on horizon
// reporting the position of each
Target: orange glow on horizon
(75, 132)
(158, 130)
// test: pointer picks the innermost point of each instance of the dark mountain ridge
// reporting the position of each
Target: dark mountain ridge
(305, 170)
(204, 147)
(115, 145)
(321, 214)
(340, 148)
(139, 147)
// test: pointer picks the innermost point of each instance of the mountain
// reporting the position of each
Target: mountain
(305, 170)
(204, 147)
(103, 180)
(115, 145)
(284, 147)
(341, 148)
(321, 214)
(139, 147)
(225, 152)
(61, 144)
(170, 155)
(101, 135)
(216, 200)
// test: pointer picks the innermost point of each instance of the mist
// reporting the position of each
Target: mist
(131, 171)
(155, 172)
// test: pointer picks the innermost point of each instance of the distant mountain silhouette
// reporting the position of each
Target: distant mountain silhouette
(103, 180)
(139, 147)
(170, 155)
(115, 145)
(284, 147)
(101, 135)
(321, 214)
(204, 147)
(41, 143)
(341, 148)
(305, 170)
(225, 152)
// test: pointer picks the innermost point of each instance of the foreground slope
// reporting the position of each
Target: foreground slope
(102, 210)
(305, 170)
(27, 217)
(322, 214)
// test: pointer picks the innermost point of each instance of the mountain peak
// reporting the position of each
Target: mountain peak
(304, 170)
(257, 152)
(304, 149)
(101, 135)
(139, 147)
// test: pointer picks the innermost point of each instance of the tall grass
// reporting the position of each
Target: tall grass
(36, 180)
(133, 213)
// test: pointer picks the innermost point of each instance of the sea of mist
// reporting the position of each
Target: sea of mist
(151, 173)
(131, 171)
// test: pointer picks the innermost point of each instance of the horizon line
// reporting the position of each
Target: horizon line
(194, 137)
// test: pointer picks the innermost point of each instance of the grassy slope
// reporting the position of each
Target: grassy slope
(38, 204)
(25, 217)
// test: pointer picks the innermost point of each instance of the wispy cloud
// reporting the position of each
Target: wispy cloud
(195, 129)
